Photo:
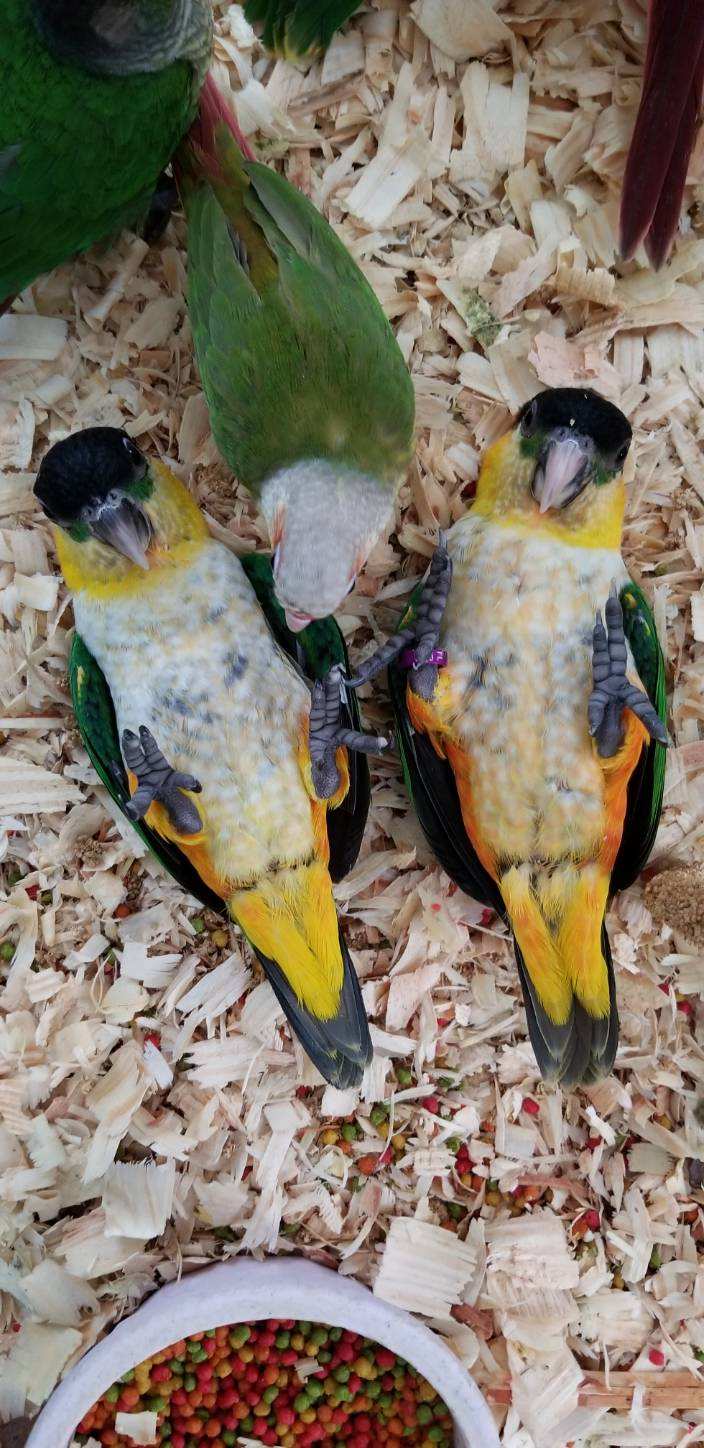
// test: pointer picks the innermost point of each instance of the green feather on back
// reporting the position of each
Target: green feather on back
(297, 29)
(287, 329)
(647, 784)
(80, 152)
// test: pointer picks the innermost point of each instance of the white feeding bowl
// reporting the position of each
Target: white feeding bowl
(244, 1291)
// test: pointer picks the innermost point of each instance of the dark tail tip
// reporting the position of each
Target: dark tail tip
(340, 1047)
(581, 1051)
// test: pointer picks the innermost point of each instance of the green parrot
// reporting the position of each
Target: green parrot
(259, 799)
(96, 96)
(530, 704)
(297, 29)
(310, 400)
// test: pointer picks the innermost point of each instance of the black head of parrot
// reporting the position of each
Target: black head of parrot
(93, 485)
(576, 437)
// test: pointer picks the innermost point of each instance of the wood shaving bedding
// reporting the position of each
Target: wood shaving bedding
(154, 1112)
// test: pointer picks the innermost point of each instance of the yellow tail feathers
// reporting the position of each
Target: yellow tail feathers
(291, 919)
(556, 918)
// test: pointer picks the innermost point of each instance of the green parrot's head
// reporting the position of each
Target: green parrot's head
(94, 485)
(324, 518)
(571, 437)
(125, 37)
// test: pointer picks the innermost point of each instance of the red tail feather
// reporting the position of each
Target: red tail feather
(665, 129)
(199, 148)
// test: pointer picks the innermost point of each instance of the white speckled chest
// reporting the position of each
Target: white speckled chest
(518, 631)
(194, 660)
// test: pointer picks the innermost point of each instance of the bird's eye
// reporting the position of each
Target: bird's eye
(529, 418)
(622, 454)
(132, 449)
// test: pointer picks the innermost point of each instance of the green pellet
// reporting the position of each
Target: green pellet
(349, 1131)
(378, 1115)
(342, 1374)
(271, 1394)
(190, 1383)
(198, 924)
(112, 1394)
(302, 1403)
(404, 1076)
(424, 1414)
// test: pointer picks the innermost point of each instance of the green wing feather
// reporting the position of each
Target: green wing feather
(316, 650)
(308, 349)
(79, 153)
(299, 28)
(647, 783)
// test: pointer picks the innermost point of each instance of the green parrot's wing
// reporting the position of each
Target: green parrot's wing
(646, 785)
(96, 721)
(299, 28)
(431, 785)
(79, 153)
(315, 650)
(287, 329)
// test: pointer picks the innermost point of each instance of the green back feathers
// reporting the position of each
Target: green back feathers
(647, 783)
(299, 28)
(296, 356)
(79, 152)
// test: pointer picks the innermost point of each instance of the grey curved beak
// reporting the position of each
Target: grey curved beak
(565, 464)
(124, 526)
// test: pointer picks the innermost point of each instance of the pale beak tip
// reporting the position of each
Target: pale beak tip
(295, 621)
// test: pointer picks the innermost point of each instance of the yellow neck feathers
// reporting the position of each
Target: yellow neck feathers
(179, 532)
(594, 519)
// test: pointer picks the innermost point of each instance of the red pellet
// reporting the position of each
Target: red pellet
(260, 1397)
(657, 1357)
(530, 1106)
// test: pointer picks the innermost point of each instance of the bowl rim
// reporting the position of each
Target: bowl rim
(243, 1290)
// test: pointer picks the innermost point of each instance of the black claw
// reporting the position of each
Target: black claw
(156, 780)
(613, 692)
(424, 632)
(326, 735)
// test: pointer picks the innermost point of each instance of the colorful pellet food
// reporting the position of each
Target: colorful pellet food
(279, 1383)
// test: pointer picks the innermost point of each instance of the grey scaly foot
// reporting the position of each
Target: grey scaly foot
(422, 637)
(326, 735)
(613, 692)
(156, 780)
